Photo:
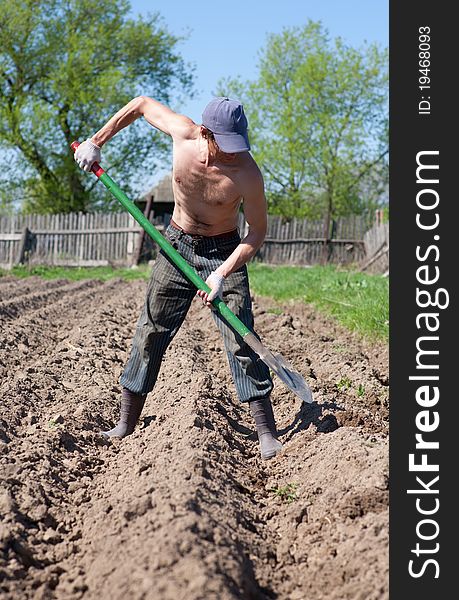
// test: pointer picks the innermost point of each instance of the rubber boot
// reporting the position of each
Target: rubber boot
(131, 407)
(263, 415)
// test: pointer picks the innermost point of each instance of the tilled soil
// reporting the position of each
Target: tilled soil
(184, 508)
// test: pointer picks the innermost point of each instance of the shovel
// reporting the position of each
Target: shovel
(275, 362)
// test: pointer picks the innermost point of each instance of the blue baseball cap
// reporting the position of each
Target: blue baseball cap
(225, 118)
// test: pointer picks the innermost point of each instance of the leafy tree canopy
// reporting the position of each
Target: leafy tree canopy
(318, 122)
(65, 67)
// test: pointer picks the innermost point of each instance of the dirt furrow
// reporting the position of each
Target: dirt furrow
(169, 507)
(15, 288)
(185, 508)
(6, 279)
(324, 503)
(34, 300)
(58, 433)
(35, 445)
(41, 351)
(38, 331)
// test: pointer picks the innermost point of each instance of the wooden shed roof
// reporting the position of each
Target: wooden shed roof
(162, 191)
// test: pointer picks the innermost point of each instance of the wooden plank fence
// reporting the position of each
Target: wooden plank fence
(376, 242)
(97, 239)
(303, 242)
(112, 239)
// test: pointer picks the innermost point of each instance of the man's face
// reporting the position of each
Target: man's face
(214, 147)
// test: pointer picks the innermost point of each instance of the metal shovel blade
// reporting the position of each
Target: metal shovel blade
(281, 368)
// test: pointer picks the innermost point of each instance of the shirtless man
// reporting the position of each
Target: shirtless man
(213, 173)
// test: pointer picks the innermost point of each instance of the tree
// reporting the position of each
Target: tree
(318, 122)
(65, 67)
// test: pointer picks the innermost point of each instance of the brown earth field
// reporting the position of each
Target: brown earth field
(185, 508)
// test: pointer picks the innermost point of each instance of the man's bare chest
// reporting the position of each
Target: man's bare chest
(212, 186)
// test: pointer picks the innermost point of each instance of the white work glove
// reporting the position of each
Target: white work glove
(87, 154)
(215, 281)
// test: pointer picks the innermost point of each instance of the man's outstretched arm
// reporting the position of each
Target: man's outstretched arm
(157, 114)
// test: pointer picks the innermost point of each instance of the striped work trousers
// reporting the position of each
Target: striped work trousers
(169, 296)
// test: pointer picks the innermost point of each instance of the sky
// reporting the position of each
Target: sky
(224, 37)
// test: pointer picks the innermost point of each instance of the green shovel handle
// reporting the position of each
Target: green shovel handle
(168, 249)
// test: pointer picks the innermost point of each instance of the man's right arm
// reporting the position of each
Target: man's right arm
(157, 114)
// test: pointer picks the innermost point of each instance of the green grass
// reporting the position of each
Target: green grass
(344, 384)
(287, 493)
(77, 273)
(358, 301)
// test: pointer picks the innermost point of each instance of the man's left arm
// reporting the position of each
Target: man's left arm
(255, 213)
